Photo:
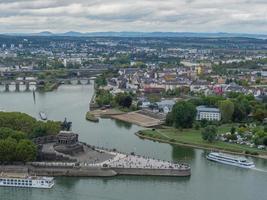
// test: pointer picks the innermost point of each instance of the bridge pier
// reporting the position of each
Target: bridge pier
(79, 82)
(6, 87)
(17, 86)
(27, 86)
(88, 82)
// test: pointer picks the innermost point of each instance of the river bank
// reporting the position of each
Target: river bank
(156, 135)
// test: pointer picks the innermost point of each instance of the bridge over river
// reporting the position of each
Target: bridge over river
(29, 85)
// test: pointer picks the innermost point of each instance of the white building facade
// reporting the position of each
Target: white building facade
(210, 114)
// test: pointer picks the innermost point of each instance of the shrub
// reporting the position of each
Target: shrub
(209, 133)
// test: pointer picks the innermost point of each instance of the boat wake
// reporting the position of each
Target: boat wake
(259, 170)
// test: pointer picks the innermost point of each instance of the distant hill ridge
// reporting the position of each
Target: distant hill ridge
(142, 34)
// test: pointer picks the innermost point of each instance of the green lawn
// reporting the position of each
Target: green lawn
(193, 137)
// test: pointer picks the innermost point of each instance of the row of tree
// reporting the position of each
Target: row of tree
(123, 100)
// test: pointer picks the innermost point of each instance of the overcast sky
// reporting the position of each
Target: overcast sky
(243, 16)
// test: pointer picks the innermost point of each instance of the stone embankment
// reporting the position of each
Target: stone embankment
(109, 163)
(116, 164)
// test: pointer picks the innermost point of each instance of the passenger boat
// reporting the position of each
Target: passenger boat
(26, 181)
(230, 160)
(43, 116)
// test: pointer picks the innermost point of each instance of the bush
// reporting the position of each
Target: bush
(197, 125)
(204, 123)
(209, 133)
(232, 130)
(231, 137)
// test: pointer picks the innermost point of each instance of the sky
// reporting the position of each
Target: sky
(234, 16)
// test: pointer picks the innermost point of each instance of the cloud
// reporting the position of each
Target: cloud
(133, 15)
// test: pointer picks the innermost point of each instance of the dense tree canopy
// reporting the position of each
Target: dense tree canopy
(20, 123)
(15, 128)
(26, 151)
(123, 100)
(103, 97)
(8, 150)
(183, 114)
(14, 147)
(7, 132)
(227, 109)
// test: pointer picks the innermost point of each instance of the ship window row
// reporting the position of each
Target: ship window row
(16, 181)
(18, 184)
(226, 159)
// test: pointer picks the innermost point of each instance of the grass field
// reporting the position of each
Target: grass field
(194, 138)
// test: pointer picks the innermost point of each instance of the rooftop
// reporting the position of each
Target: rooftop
(207, 109)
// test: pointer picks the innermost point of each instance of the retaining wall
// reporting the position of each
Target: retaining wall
(152, 172)
(75, 171)
(90, 171)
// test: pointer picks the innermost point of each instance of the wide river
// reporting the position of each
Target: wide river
(209, 180)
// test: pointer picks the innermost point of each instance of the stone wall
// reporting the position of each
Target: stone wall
(45, 139)
(90, 171)
(13, 169)
(152, 172)
(69, 149)
(54, 157)
(73, 171)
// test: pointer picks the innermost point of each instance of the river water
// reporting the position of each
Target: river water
(209, 180)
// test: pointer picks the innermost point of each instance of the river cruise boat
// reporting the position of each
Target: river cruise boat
(43, 115)
(230, 160)
(25, 181)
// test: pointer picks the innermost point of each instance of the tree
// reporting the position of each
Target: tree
(260, 114)
(101, 80)
(209, 133)
(103, 97)
(265, 140)
(227, 110)
(8, 150)
(169, 119)
(183, 114)
(26, 151)
(232, 130)
(212, 100)
(242, 108)
(8, 132)
(5, 132)
(124, 100)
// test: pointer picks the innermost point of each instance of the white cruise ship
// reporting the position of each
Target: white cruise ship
(230, 160)
(11, 180)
